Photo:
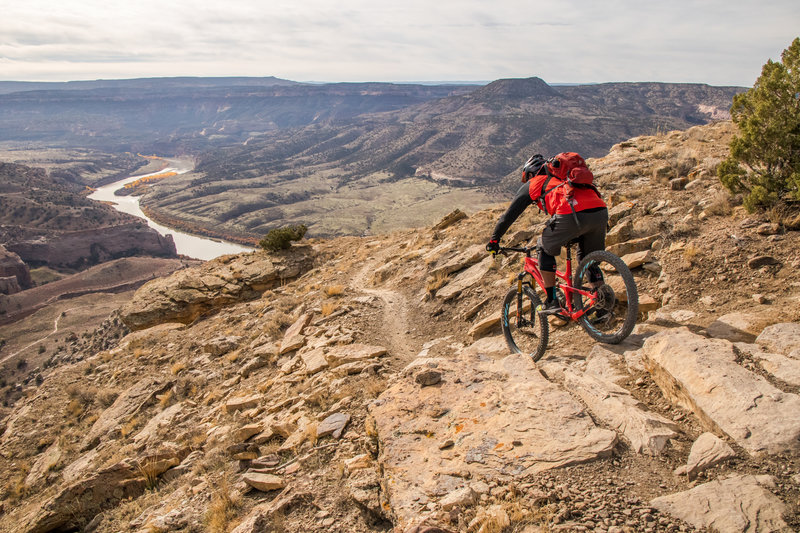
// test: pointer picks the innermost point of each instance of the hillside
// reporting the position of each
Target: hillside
(45, 219)
(173, 116)
(360, 384)
(362, 177)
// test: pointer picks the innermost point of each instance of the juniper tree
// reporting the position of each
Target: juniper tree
(764, 160)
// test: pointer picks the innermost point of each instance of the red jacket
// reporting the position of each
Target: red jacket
(556, 201)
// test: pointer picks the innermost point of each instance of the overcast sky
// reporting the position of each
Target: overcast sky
(720, 42)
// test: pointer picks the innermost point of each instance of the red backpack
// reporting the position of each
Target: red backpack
(570, 169)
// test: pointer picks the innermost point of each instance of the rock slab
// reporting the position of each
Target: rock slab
(647, 432)
(707, 451)
(702, 375)
(505, 419)
(735, 504)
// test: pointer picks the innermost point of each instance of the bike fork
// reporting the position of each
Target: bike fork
(520, 276)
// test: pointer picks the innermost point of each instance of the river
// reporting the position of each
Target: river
(186, 244)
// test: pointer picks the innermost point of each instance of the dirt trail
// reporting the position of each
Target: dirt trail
(55, 330)
(395, 313)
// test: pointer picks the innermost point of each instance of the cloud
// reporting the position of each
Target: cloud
(566, 41)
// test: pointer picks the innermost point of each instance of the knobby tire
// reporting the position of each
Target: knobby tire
(531, 339)
(628, 312)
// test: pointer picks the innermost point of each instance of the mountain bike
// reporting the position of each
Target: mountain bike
(601, 296)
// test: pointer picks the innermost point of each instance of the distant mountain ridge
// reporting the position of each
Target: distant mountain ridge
(142, 83)
(345, 176)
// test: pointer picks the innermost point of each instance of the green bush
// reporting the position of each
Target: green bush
(764, 162)
(280, 238)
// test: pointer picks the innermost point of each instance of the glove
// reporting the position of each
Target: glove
(493, 247)
(532, 167)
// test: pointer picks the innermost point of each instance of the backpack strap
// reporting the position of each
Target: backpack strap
(545, 190)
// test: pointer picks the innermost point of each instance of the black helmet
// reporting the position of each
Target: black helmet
(533, 167)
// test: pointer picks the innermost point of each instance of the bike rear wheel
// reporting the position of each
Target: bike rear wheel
(529, 332)
(613, 316)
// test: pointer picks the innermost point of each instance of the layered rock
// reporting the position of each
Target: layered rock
(77, 248)
(14, 273)
(190, 293)
(736, 504)
(486, 418)
(702, 375)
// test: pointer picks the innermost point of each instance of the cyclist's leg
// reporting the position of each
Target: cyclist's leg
(593, 237)
(558, 231)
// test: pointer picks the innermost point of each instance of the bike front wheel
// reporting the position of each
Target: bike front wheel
(611, 318)
(524, 330)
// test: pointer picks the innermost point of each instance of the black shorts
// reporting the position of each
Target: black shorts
(590, 232)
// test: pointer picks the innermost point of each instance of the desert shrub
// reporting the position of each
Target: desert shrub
(764, 162)
(281, 238)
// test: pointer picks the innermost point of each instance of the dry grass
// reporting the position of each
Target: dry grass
(129, 427)
(148, 471)
(328, 308)
(232, 357)
(333, 290)
(437, 282)
(165, 400)
(721, 205)
(177, 368)
(222, 509)
(692, 253)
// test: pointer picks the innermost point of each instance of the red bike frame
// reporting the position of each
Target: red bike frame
(563, 282)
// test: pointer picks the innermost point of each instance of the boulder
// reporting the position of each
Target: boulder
(261, 517)
(450, 219)
(467, 258)
(535, 427)
(620, 211)
(163, 420)
(351, 353)
(781, 338)
(622, 232)
(190, 293)
(242, 402)
(293, 338)
(465, 279)
(742, 327)
(264, 482)
(742, 503)
(314, 360)
(632, 246)
(637, 259)
(221, 345)
(707, 451)
(702, 375)
(333, 425)
(647, 432)
(43, 464)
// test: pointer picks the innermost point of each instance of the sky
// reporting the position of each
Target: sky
(719, 42)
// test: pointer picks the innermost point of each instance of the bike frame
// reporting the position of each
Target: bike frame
(563, 283)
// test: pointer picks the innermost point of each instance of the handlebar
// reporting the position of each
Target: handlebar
(524, 249)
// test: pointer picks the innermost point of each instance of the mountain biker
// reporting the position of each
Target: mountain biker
(584, 218)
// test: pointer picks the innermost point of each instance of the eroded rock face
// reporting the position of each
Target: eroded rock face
(82, 500)
(127, 404)
(96, 245)
(190, 293)
(702, 375)
(15, 270)
(502, 416)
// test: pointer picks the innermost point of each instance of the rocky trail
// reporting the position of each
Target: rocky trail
(371, 391)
